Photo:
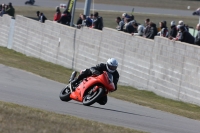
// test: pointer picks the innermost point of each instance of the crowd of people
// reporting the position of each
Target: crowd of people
(41, 16)
(63, 18)
(7, 9)
(92, 21)
(179, 32)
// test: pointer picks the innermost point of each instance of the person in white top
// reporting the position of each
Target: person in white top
(140, 29)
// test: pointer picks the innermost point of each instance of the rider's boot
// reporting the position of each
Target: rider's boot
(74, 83)
(78, 79)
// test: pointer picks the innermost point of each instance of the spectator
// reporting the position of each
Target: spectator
(57, 15)
(92, 17)
(125, 15)
(65, 18)
(3, 6)
(147, 27)
(164, 30)
(42, 18)
(197, 38)
(126, 23)
(10, 10)
(38, 15)
(165, 22)
(173, 31)
(180, 23)
(6, 6)
(129, 28)
(140, 29)
(152, 32)
(68, 18)
(120, 24)
(197, 12)
(79, 21)
(178, 36)
(32, 1)
(185, 36)
(2, 11)
(85, 21)
(88, 21)
(98, 21)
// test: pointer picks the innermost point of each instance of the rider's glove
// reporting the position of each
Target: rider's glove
(94, 71)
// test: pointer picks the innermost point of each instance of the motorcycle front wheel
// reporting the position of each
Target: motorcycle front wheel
(92, 97)
(65, 94)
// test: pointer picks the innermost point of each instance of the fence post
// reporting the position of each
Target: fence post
(11, 33)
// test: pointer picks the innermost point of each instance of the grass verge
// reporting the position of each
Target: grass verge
(21, 119)
(61, 74)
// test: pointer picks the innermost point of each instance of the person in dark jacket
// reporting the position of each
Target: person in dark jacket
(173, 31)
(10, 11)
(120, 24)
(42, 18)
(153, 31)
(147, 27)
(38, 15)
(65, 18)
(197, 38)
(110, 66)
(79, 21)
(2, 12)
(185, 36)
(98, 21)
(130, 29)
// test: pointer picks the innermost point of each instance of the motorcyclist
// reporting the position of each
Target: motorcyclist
(110, 66)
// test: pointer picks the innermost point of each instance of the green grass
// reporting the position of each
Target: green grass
(20, 119)
(62, 74)
(170, 4)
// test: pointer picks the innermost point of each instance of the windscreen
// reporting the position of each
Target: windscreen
(110, 77)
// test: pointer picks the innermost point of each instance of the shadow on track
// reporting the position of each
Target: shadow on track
(113, 110)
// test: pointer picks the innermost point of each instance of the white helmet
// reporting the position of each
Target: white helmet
(111, 65)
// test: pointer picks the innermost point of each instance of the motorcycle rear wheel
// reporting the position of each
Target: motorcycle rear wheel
(90, 99)
(65, 94)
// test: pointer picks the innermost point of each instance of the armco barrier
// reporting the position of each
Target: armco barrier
(170, 69)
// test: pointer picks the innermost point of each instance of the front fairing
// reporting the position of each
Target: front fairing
(102, 79)
(107, 80)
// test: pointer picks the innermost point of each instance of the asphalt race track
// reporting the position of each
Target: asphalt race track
(25, 88)
(98, 7)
